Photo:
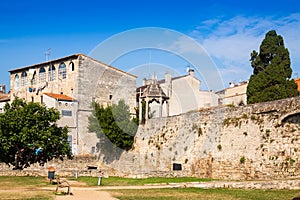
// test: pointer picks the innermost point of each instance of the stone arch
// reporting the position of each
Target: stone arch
(42, 75)
(23, 78)
(17, 81)
(71, 66)
(62, 70)
(293, 117)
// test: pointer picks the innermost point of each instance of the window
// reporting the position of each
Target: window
(33, 80)
(16, 81)
(23, 79)
(42, 75)
(62, 71)
(42, 100)
(70, 140)
(51, 73)
(66, 113)
(71, 66)
(32, 99)
(177, 167)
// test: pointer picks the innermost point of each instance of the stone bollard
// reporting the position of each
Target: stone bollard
(99, 180)
(76, 174)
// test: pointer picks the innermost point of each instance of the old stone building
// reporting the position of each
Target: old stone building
(4, 98)
(183, 93)
(235, 94)
(297, 81)
(71, 84)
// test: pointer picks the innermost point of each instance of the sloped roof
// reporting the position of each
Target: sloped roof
(74, 56)
(174, 78)
(60, 97)
(154, 90)
(4, 98)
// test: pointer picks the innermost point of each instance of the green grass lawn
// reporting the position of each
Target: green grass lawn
(204, 194)
(29, 188)
(117, 181)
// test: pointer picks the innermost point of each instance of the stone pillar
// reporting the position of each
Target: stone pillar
(168, 108)
(147, 109)
(160, 106)
(140, 110)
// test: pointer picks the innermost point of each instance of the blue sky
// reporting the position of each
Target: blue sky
(227, 30)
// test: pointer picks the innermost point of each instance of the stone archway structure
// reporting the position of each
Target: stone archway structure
(153, 92)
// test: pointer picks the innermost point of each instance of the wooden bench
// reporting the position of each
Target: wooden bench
(61, 183)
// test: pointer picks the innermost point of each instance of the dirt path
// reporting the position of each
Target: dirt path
(86, 194)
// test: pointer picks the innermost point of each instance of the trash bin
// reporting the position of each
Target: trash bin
(51, 173)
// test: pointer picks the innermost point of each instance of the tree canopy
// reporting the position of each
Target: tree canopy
(28, 134)
(114, 123)
(271, 78)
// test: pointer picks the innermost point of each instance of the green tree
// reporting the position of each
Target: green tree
(271, 79)
(28, 134)
(115, 123)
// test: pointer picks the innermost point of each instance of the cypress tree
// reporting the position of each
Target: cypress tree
(271, 78)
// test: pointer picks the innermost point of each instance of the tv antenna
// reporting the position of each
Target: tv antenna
(47, 54)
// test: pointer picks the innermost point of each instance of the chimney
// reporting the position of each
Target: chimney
(168, 77)
(2, 90)
(168, 80)
(231, 84)
(144, 81)
(191, 72)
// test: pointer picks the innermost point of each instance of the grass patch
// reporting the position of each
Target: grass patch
(10, 182)
(118, 181)
(196, 193)
(20, 194)
(24, 187)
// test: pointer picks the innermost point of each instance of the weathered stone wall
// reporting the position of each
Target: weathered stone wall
(259, 141)
(250, 142)
(105, 85)
(65, 168)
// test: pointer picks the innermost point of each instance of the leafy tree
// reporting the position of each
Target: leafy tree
(115, 123)
(271, 79)
(28, 134)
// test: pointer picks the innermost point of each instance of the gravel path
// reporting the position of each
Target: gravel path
(85, 194)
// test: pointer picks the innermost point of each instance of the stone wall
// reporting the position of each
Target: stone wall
(105, 85)
(259, 141)
(252, 142)
(65, 168)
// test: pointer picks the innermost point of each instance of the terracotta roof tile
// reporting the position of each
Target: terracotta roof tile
(4, 98)
(61, 97)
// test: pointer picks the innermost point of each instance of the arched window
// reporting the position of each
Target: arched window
(51, 73)
(62, 71)
(16, 81)
(33, 80)
(23, 79)
(71, 66)
(42, 75)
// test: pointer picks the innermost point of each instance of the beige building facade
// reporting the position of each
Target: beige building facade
(235, 94)
(4, 98)
(71, 84)
(184, 95)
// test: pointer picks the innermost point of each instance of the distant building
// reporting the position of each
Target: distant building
(71, 84)
(297, 81)
(4, 98)
(182, 94)
(235, 94)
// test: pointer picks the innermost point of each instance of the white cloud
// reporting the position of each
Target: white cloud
(231, 41)
(185, 44)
